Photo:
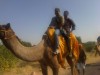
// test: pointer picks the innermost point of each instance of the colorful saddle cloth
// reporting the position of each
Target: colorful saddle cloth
(63, 46)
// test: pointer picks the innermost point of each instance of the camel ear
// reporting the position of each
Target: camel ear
(8, 25)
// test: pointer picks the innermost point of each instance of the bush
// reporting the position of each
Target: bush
(89, 46)
(7, 59)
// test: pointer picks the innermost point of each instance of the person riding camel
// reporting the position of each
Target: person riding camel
(98, 41)
(68, 27)
(57, 22)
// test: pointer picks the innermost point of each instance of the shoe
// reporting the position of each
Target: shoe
(56, 52)
(70, 54)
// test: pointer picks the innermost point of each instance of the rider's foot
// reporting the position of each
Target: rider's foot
(70, 54)
(56, 52)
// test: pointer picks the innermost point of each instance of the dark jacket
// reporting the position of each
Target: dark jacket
(82, 56)
(57, 22)
(69, 24)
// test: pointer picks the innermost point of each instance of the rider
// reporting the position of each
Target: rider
(68, 27)
(98, 41)
(57, 22)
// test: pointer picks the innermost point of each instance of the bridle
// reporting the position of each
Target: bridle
(5, 34)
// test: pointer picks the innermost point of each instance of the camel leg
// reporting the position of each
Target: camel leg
(55, 65)
(44, 68)
(69, 60)
(79, 72)
(74, 70)
(83, 71)
(55, 70)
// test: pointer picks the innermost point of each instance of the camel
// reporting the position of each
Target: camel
(41, 52)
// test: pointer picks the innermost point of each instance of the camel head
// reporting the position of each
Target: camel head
(5, 31)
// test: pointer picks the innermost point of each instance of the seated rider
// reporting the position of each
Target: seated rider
(68, 27)
(57, 22)
(98, 41)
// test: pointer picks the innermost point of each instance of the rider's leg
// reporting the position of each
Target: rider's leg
(66, 35)
(68, 44)
(56, 50)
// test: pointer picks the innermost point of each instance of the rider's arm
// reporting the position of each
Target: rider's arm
(73, 24)
(61, 22)
(52, 23)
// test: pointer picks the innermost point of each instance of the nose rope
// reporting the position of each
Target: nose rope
(5, 32)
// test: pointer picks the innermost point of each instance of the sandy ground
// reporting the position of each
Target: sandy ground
(24, 68)
(93, 65)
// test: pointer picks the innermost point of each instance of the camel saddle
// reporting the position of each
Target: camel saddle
(63, 46)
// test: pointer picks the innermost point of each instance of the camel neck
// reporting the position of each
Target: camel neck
(25, 53)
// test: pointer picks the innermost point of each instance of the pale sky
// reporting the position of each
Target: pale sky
(30, 18)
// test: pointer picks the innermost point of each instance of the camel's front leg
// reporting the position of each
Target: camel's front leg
(55, 70)
(55, 65)
(44, 68)
(72, 64)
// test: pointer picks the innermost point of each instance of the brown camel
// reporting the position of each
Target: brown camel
(41, 52)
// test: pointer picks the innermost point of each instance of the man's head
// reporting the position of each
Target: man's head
(57, 11)
(66, 13)
(80, 46)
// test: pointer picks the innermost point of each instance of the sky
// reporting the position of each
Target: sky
(30, 18)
